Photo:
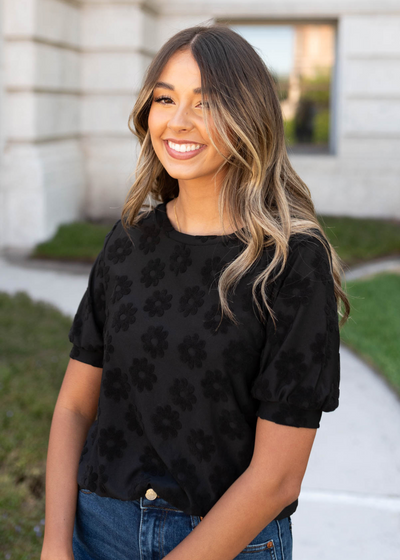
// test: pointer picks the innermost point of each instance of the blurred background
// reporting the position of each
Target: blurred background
(70, 71)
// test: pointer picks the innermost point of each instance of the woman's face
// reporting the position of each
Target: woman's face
(176, 123)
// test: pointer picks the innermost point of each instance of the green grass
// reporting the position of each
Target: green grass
(78, 241)
(374, 328)
(355, 239)
(361, 239)
(34, 349)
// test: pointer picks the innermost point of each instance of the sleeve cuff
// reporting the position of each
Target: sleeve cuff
(289, 415)
(91, 358)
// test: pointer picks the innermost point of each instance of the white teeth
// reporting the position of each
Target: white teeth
(184, 147)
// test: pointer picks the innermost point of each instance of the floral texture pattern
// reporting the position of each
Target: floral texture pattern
(181, 384)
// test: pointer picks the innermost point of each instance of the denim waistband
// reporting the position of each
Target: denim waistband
(158, 502)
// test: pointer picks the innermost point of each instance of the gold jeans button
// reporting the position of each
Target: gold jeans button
(151, 494)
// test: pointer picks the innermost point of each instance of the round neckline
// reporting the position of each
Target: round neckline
(173, 233)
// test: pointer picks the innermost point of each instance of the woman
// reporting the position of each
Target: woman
(207, 341)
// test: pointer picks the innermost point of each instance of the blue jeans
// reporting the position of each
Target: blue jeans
(143, 529)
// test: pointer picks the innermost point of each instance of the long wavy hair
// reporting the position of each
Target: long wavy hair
(260, 187)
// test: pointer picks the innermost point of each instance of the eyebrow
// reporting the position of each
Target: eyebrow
(171, 87)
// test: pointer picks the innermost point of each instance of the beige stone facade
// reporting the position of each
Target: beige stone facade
(70, 72)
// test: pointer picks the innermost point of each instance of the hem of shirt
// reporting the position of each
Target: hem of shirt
(289, 415)
(289, 510)
(91, 358)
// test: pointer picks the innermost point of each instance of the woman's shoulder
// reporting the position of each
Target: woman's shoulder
(309, 246)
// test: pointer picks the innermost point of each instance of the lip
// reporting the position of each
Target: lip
(183, 155)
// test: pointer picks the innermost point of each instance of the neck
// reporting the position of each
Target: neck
(197, 214)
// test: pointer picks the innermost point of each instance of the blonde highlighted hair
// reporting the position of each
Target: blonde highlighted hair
(260, 189)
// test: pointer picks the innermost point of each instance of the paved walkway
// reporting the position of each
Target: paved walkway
(349, 505)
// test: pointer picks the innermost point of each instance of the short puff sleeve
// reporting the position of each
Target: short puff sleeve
(299, 370)
(86, 332)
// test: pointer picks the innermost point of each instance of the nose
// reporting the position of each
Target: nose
(180, 119)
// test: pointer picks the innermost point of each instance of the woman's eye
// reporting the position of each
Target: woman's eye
(162, 98)
(165, 100)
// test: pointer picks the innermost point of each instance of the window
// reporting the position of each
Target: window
(300, 57)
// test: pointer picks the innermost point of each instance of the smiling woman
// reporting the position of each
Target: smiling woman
(206, 346)
(178, 131)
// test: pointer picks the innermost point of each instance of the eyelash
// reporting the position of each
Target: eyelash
(165, 97)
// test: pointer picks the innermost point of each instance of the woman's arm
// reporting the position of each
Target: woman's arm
(74, 413)
(271, 482)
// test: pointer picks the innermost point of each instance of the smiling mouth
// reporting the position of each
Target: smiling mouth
(184, 148)
(183, 151)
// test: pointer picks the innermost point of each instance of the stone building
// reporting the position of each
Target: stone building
(70, 71)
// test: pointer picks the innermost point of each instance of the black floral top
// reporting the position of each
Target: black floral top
(180, 393)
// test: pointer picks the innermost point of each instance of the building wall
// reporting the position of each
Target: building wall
(69, 75)
(117, 46)
(361, 177)
(42, 180)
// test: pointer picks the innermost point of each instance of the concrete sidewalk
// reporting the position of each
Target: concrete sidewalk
(349, 506)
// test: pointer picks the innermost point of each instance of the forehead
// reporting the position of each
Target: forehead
(181, 71)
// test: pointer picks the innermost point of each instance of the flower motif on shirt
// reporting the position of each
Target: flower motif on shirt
(212, 320)
(191, 301)
(142, 374)
(289, 416)
(183, 394)
(237, 358)
(111, 443)
(152, 273)
(166, 422)
(155, 341)
(305, 397)
(119, 250)
(322, 271)
(149, 239)
(296, 291)
(184, 473)
(103, 271)
(124, 317)
(151, 462)
(108, 348)
(90, 479)
(261, 389)
(133, 419)
(116, 385)
(201, 445)
(158, 303)
(211, 270)
(122, 288)
(216, 386)
(231, 424)
(318, 348)
(192, 351)
(180, 259)
(99, 297)
(290, 366)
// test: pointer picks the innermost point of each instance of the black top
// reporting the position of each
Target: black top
(180, 397)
